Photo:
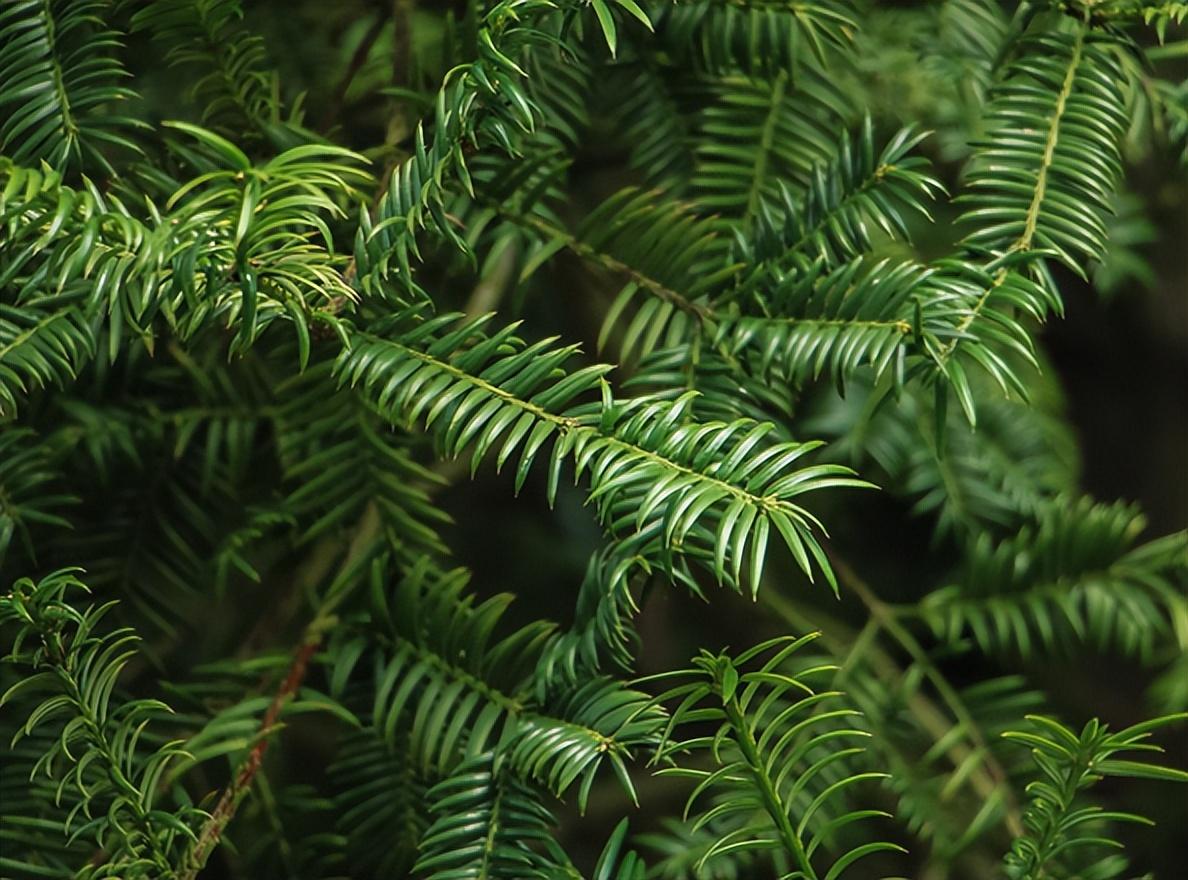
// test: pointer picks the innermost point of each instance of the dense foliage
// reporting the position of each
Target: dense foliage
(252, 339)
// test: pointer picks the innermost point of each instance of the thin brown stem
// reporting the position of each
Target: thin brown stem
(358, 59)
(224, 811)
(402, 17)
(233, 794)
(398, 121)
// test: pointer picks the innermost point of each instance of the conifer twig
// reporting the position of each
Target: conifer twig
(212, 831)
(358, 59)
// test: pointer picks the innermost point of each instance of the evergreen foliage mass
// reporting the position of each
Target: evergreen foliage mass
(798, 253)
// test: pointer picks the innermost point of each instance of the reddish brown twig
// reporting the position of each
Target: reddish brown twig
(212, 831)
(228, 803)
(358, 58)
